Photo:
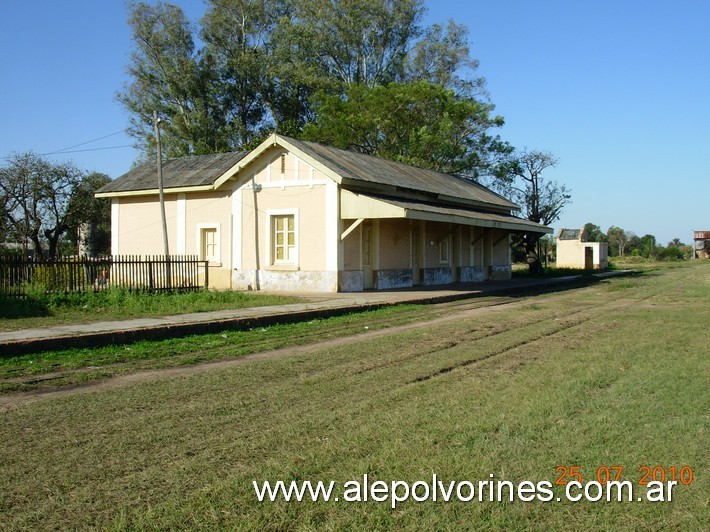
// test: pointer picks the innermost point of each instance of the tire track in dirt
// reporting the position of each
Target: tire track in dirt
(467, 337)
(615, 304)
(516, 345)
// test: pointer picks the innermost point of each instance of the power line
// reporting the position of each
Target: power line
(7, 158)
(69, 149)
(65, 150)
(90, 149)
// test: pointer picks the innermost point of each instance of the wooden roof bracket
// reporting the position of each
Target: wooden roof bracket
(352, 227)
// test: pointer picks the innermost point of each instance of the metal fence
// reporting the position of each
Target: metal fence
(83, 274)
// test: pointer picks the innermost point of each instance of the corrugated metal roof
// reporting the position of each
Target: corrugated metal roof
(358, 171)
(370, 169)
(182, 172)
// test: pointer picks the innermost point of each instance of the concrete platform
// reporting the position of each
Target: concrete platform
(317, 305)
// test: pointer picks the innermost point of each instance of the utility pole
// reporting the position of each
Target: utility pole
(156, 123)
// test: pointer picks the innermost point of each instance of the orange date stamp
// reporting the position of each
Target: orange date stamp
(605, 474)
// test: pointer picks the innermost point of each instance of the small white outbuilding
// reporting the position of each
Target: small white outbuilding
(573, 251)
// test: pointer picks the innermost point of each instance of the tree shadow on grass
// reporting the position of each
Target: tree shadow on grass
(12, 308)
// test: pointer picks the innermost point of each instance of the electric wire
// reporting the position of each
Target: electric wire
(65, 150)
(70, 149)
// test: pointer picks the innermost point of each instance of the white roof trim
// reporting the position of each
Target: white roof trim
(276, 140)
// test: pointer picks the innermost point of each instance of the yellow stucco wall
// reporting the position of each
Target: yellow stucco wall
(500, 254)
(207, 209)
(210, 210)
(394, 244)
(462, 242)
(140, 227)
(436, 232)
(277, 184)
(570, 254)
(308, 206)
(352, 250)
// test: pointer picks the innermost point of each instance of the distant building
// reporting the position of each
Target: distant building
(573, 251)
(701, 244)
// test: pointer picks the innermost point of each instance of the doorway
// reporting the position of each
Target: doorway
(588, 258)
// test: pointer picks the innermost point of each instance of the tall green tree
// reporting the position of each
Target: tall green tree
(351, 42)
(648, 246)
(634, 244)
(331, 46)
(421, 123)
(594, 233)
(442, 56)
(260, 63)
(89, 217)
(237, 34)
(169, 76)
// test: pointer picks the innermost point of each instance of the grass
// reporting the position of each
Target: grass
(75, 366)
(592, 377)
(644, 264)
(45, 310)
(521, 270)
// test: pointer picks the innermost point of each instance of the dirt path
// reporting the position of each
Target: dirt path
(456, 311)
(11, 400)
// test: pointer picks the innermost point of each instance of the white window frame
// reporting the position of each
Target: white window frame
(215, 260)
(270, 246)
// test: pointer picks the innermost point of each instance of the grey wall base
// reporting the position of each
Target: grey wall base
(351, 281)
(296, 280)
(501, 273)
(389, 279)
(435, 276)
(354, 280)
(472, 274)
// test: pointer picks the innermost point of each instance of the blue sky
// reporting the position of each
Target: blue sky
(618, 90)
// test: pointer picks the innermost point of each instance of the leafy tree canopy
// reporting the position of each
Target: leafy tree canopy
(594, 233)
(267, 65)
(418, 123)
(618, 240)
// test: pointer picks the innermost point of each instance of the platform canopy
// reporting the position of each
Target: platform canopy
(356, 206)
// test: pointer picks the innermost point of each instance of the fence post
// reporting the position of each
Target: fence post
(168, 273)
(150, 274)
(207, 274)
